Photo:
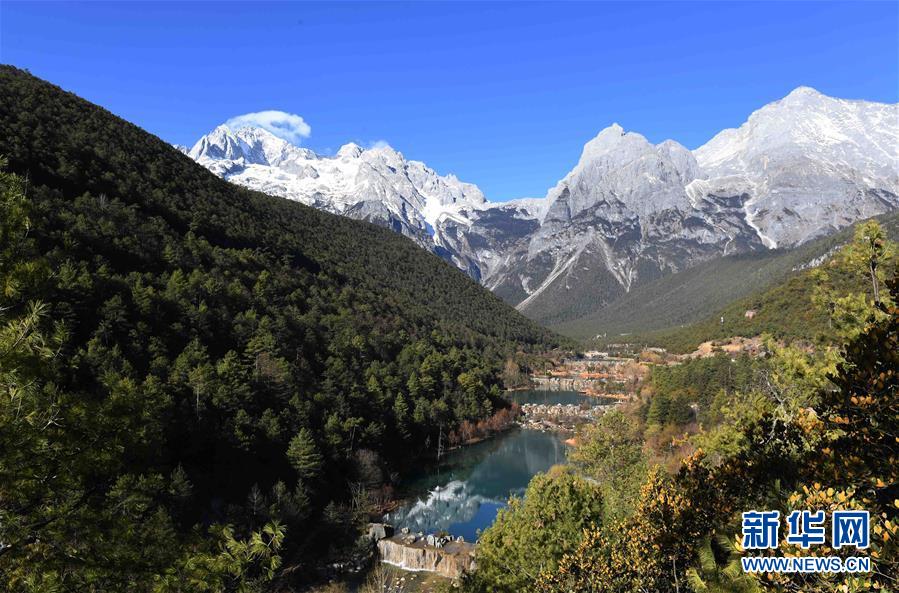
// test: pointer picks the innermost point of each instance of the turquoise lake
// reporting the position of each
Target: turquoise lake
(465, 493)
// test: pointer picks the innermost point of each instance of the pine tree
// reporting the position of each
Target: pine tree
(533, 534)
(303, 455)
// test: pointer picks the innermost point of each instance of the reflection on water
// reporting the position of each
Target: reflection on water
(474, 482)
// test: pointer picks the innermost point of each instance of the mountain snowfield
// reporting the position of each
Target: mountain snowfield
(628, 212)
(813, 163)
(376, 184)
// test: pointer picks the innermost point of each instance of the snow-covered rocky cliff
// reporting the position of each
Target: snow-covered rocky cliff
(628, 211)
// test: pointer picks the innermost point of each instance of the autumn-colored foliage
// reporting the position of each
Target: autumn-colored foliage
(499, 421)
(820, 431)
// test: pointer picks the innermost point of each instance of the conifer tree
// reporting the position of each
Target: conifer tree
(303, 455)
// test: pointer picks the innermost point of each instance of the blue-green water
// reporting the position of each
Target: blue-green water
(465, 493)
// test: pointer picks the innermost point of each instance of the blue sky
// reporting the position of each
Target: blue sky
(504, 95)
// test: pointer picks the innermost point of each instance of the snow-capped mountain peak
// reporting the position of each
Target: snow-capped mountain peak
(614, 148)
(249, 145)
(803, 92)
(611, 142)
(376, 184)
(621, 167)
(814, 163)
(220, 143)
(628, 210)
(350, 150)
(808, 122)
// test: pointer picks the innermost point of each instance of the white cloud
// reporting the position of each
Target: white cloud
(378, 144)
(289, 126)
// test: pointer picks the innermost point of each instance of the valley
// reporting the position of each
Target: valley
(243, 351)
(250, 367)
(627, 218)
(460, 496)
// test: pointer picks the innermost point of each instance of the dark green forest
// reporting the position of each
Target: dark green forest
(708, 383)
(203, 385)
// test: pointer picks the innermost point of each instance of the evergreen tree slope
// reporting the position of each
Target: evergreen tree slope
(683, 309)
(203, 383)
(65, 143)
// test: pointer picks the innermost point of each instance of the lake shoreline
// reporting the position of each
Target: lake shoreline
(462, 494)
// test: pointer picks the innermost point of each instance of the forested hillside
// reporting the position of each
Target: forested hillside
(655, 491)
(204, 385)
(782, 311)
(681, 310)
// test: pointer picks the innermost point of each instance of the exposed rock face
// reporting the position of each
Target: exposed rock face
(451, 560)
(631, 211)
(485, 237)
(623, 214)
(379, 531)
(377, 184)
(558, 417)
(628, 212)
(812, 163)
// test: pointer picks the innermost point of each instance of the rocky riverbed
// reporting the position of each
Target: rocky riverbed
(558, 417)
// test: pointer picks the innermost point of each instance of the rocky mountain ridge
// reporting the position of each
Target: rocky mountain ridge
(628, 212)
(376, 184)
(631, 211)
